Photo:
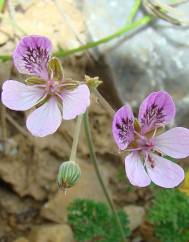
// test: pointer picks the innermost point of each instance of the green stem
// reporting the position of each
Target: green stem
(144, 20)
(2, 4)
(76, 138)
(5, 57)
(134, 11)
(61, 53)
(97, 170)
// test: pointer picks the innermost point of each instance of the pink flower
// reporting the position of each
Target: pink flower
(54, 97)
(147, 145)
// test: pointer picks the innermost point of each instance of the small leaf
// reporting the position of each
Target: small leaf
(93, 221)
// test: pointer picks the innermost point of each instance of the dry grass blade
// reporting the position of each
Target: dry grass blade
(17, 126)
(165, 11)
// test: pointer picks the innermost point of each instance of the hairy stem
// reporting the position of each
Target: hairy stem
(103, 102)
(76, 138)
(97, 170)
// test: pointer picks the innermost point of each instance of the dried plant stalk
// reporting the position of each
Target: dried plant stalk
(165, 11)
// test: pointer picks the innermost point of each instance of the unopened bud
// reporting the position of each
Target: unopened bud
(68, 174)
(92, 82)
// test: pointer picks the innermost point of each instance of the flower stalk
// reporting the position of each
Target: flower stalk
(134, 11)
(76, 138)
(97, 170)
(103, 102)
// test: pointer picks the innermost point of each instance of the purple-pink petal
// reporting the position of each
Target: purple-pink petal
(135, 170)
(20, 97)
(164, 173)
(174, 142)
(75, 102)
(156, 110)
(45, 120)
(123, 127)
(32, 54)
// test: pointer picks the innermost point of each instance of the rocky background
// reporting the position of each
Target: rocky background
(32, 209)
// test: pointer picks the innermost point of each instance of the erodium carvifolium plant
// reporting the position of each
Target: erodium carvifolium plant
(93, 221)
(169, 215)
(146, 143)
(57, 98)
(54, 97)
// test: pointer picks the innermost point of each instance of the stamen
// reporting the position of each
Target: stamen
(155, 131)
(57, 94)
(158, 152)
(151, 161)
(134, 149)
(146, 158)
(139, 135)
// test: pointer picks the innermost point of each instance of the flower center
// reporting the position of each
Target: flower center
(52, 87)
(57, 88)
(144, 143)
(147, 144)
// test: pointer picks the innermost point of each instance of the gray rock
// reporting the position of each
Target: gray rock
(154, 58)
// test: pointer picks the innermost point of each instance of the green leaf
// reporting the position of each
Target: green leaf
(170, 215)
(93, 221)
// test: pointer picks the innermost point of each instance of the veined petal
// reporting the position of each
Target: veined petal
(20, 97)
(75, 102)
(163, 172)
(32, 54)
(45, 120)
(157, 109)
(174, 142)
(135, 171)
(123, 127)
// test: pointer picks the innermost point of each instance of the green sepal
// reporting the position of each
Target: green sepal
(69, 85)
(55, 69)
(35, 81)
(92, 82)
(42, 101)
(137, 125)
(68, 175)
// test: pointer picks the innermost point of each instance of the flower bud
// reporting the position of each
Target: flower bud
(92, 82)
(68, 174)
